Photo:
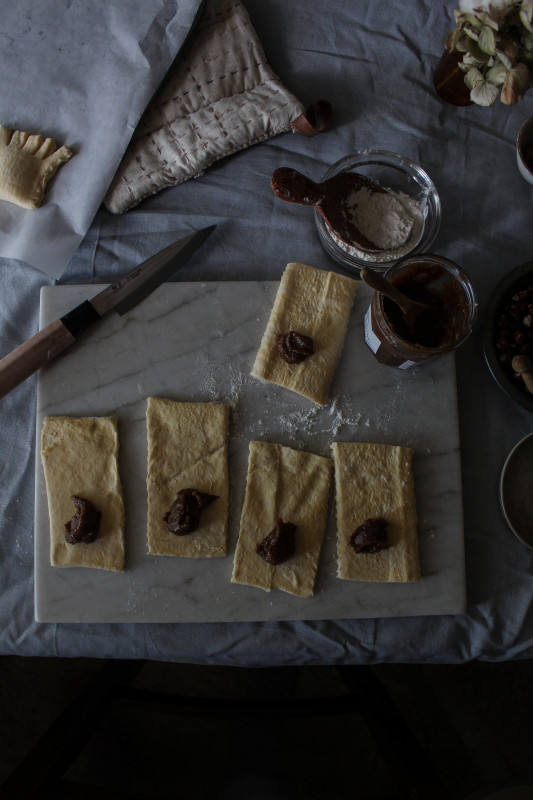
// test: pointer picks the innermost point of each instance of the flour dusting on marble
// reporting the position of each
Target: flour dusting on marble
(287, 414)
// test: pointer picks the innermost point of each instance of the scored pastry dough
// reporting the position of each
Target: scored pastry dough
(187, 449)
(371, 481)
(314, 303)
(80, 457)
(27, 162)
(292, 485)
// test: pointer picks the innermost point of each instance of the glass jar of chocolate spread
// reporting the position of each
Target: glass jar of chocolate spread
(447, 322)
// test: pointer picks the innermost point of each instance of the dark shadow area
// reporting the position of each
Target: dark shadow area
(135, 729)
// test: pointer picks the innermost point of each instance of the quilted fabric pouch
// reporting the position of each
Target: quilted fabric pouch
(220, 96)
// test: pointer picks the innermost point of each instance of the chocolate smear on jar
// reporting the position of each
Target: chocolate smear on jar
(279, 545)
(183, 517)
(370, 537)
(85, 524)
(294, 347)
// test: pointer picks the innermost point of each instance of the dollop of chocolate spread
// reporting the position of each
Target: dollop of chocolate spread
(183, 517)
(370, 537)
(85, 524)
(279, 545)
(294, 347)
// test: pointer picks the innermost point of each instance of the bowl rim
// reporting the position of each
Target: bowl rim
(498, 296)
(526, 441)
(386, 155)
(388, 158)
(525, 129)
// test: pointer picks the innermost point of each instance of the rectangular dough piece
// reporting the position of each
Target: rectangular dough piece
(292, 485)
(376, 480)
(187, 449)
(314, 303)
(80, 457)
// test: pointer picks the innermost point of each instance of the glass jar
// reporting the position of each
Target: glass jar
(449, 79)
(432, 279)
(399, 175)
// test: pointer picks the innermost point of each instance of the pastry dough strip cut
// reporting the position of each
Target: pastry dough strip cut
(80, 457)
(292, 485)
(187, 448)
(371, 481)
(314, 303)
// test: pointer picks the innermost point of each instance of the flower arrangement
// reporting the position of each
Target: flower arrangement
(497, 47)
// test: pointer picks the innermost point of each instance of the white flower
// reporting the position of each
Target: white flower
(495, 39)
(482, 91)
(470, 5)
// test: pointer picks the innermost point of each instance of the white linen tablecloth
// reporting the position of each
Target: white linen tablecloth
(374, 63)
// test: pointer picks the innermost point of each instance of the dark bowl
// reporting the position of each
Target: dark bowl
(517, 279)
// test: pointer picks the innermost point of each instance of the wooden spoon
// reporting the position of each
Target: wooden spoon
(522, 365)
(412, 309)
(329, 198)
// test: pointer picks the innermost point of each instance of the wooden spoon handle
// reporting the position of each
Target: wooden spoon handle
(522, 365)
(292, 186)
(381, 284)
(33, 354)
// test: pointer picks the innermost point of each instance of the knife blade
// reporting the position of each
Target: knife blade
(120, 296)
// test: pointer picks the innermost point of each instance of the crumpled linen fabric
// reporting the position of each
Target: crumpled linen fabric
(219, 97)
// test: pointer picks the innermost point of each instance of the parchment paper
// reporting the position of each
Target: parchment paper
(82, 73)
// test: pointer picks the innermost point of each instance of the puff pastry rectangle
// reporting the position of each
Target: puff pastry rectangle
(292, 485)
(371, 481)
(80, 457)
(187, 448)
(317, 304)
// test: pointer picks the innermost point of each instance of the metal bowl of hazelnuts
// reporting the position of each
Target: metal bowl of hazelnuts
(508, 335)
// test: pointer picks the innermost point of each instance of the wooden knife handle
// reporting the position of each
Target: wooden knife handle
(33, 354)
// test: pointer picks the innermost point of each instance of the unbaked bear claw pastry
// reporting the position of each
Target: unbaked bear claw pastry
(27, 162)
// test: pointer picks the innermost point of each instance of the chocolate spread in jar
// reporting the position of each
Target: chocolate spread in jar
(183, 517)
(85, 524)
(294, 347)
(279, 545)
(445, 321)
(437, 282)
(370, 537)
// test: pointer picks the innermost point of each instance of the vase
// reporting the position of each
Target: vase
(449, 80)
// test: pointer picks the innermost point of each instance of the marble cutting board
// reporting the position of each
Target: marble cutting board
(197, 342)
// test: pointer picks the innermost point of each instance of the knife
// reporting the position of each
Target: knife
(120, 296)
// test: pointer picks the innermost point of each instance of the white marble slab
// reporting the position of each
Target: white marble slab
(197, 342)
